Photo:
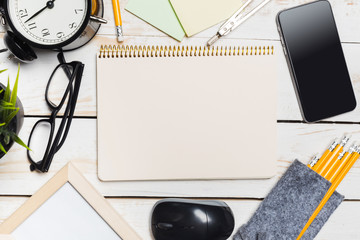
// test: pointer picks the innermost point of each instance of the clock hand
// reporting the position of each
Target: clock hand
(49, 4)
(37, 13)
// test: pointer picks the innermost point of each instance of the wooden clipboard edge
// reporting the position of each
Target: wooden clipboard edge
(100, 205)
(72, 175)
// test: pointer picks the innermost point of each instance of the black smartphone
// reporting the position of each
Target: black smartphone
(316, 60)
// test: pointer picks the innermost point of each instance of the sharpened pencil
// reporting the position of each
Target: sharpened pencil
(331, 190)
(118, 21)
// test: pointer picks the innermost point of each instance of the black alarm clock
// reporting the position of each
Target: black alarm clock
(50, 24)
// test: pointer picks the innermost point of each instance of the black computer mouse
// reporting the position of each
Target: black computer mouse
(180, 219)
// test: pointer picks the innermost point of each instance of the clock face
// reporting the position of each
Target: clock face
(48, 23)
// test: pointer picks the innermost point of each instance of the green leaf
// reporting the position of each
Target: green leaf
(7, 91)
(6, 139)
(6, 108)
(15, 88)
(8, 111)
(2, 148)
(1, 71)
(5, 103)
(11, 116)
(19, 141)
(6, 98)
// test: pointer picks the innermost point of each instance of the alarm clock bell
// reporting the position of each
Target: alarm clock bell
(22, 48)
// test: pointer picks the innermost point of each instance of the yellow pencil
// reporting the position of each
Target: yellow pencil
(339, 148)
(94, 7)
(342, 164)
(335, 164)
(118, 22)
(313, 162)
(324, 157)
(331, 190)
(343, 157)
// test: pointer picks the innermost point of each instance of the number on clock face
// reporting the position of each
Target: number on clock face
(48, 22)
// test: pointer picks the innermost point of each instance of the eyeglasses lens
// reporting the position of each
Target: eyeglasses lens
(39, 140)
(59, 84)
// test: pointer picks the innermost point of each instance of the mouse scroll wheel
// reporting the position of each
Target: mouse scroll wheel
(164, 226)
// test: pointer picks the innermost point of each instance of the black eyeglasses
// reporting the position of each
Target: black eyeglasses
(61, 90)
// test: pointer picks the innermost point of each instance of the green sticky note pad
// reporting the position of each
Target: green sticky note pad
(158, 13)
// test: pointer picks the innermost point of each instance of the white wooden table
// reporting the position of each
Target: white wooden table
(134, 200)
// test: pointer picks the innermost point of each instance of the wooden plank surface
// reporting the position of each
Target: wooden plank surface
(34, 103)
(137, 213)
(34, 76)
(296, 140)
(260, 26)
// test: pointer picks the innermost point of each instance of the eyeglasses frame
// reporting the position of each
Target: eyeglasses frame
(54, 144)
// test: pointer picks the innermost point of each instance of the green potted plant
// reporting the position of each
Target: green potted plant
(11, 116)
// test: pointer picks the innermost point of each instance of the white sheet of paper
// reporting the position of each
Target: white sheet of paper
(66, 215)
(177, 118)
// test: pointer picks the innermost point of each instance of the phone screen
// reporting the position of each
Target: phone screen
(316, 60)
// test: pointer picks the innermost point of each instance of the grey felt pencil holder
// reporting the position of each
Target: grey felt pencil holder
(289, 205)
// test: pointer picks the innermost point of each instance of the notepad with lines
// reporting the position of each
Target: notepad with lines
(176, 113)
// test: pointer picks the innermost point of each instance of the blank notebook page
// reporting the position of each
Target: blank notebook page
(173, 118)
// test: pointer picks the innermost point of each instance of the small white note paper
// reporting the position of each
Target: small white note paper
(66, 215)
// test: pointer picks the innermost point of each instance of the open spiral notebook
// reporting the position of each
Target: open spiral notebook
(175, 113)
